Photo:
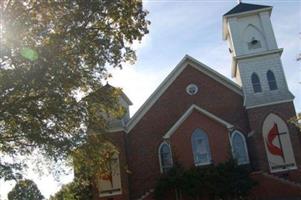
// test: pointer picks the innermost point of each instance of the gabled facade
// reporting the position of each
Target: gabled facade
(199, 117)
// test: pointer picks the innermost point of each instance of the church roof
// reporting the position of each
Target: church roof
(244, 7)
(109, 87)
(123, 95)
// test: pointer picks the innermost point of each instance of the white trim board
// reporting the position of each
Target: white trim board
(270, 104)
(188, 113)
(235, 59)
(187, 60)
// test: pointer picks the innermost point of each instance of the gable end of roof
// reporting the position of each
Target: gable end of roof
(188, 113)
(187, 60)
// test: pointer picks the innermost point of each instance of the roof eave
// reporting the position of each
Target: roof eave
(127, 99)
(252, 55)
(246, 13)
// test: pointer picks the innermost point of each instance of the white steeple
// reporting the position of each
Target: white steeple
(256, 63)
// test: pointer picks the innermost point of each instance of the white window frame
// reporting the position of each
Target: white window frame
(159, 155)
(194, 87)
(245, 146)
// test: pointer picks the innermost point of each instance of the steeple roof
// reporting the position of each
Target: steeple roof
(244, 7)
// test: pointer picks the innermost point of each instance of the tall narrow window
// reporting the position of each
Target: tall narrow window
(271, 80)
(239, 148)
(165, 157)
(109, 182)
(200, 148)
(256, 83)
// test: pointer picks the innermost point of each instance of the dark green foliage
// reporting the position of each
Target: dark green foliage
(25, 190)
(50, 52)
(296, 121)
(171, 181)
(78, 189)
(232, 181)
(9, 171)
(225, 181)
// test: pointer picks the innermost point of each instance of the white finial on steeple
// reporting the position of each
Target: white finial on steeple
(238, 1)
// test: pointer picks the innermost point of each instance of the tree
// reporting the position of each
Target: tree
(232, 181)
(296, 121)
(76, 190)
(170, 182)
(52, 52)
(224, 181)
(25, 190)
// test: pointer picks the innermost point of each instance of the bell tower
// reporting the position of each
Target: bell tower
(257, 67)
(256, 58)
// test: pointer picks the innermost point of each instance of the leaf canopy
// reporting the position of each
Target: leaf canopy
(25, 190)
(52, 54)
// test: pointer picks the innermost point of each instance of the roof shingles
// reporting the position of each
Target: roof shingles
(244, 7)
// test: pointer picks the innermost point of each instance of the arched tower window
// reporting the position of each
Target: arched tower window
(200, 148)
(256, 83)
(239, 148)
(271, 80)
(165, 157)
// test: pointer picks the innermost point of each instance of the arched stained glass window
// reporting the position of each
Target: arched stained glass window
(271, 80)
(256, 83)
(165, 157)
(239, 148)
(200, 148)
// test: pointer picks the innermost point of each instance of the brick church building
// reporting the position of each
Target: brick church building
(199, 117)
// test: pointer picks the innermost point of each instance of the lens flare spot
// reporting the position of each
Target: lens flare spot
(29, 54)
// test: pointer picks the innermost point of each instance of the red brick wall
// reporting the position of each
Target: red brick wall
(256, 118)
(146, 136)
(269, 188)
(217, 135)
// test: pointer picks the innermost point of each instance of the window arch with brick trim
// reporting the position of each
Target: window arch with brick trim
(200, 148)
(239, 148)
(272, 80)
(165, 157)
(256, 83)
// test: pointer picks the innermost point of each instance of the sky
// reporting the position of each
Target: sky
(193, 27)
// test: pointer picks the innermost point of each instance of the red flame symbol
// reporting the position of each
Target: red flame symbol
(273, 149)
(107, 177)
